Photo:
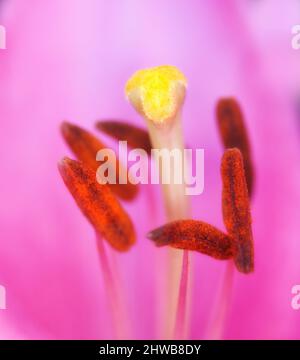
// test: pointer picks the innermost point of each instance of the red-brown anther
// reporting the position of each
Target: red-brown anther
(234, 134)
(194, 235)
(98, 204)
(85, 147)
(236, 208)
(136, 137)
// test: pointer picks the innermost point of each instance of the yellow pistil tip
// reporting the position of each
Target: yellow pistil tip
(157, 93)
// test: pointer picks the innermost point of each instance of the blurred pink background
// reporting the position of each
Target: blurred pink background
(69, 60)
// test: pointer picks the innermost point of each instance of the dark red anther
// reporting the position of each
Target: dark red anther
(98, 204)
(85, 147)
(136, 137)
(236, 208)
(234, 134)
(196, 236)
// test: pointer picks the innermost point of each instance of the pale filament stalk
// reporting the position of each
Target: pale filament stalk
(222, 305)
(114, 298)
(169, 136)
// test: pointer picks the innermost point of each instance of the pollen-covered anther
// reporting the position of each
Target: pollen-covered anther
(98, 204)
(236, 208)
(136, 137)
(234, 134)
(85, 146)
(195, 236)
(157, 93)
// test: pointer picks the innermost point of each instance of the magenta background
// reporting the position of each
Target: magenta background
(70, 59)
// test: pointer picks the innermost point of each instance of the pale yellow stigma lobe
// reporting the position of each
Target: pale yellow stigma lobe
(157, 93)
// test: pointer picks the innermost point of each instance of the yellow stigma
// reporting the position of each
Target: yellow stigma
(157, 93)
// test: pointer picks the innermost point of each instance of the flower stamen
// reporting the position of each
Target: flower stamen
(85, 146)
(234, 134)
(98, 204)
(136, 137)
(194, 235)
(236, 208)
